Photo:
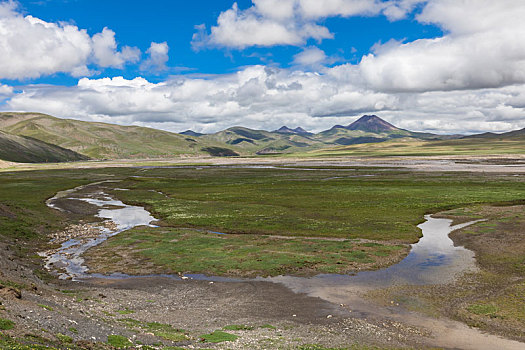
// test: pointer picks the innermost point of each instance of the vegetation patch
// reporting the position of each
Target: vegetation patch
(119, 341)
(126, 311)
(483, 309)
(48, 308)
(64, 338)
(189, 251)
(161, 330)
(6, 325)
(218, 337)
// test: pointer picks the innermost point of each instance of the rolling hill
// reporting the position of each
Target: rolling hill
(261, 142)
(369, 135)
(101, 140)
(21, 149)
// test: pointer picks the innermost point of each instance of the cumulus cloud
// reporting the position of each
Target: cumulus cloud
(290, 22)
(482, 52)
(310, 57)
(31, 47)
(158, 57)
(240, 29)
(105, 51)
(5, 92)
(262, 97)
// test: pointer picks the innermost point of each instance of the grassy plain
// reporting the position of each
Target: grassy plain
(254, 205)
(411, 147)
(169, 251)
(383, 205)
(366, 203)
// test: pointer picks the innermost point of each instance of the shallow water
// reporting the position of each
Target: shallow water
(432, 260)
(69, 256)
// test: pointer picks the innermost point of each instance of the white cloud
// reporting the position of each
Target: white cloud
(482, 52)
(31, 47)
(289, 22)
(158, 57)
(5, 92)
(105, 51)
(262, 97)
(310, 57)
(240, 29)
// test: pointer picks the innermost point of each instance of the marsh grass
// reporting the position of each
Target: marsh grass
(387, 206)
(190, 251)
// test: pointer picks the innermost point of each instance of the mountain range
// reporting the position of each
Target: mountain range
(35, 137)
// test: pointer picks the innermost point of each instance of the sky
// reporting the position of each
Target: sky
(442, 66)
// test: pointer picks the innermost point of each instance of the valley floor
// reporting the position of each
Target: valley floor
(160, 312)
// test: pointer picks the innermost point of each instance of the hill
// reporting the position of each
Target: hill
(369, 135)
(21, 149)
(101, 140)
(261, 142)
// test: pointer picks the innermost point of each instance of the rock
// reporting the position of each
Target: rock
(9, 293)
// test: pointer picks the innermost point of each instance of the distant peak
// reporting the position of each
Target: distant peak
(371, 123)
(286, 130)
(191, 133)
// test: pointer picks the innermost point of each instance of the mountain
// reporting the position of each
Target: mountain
(520, 134)
(287, 130)
(261, 142)
(101, 140)
(21, 149)
(191, 133)
(372, 123)
(55, 139)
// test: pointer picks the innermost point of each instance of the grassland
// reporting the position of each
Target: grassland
(377, 204)
(172, 251)
(411, 147)
(344, 207)
(383, 205)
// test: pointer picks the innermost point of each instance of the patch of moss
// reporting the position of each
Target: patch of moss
(6, 324)
(483, 309)
(119, 341)
(218, 337)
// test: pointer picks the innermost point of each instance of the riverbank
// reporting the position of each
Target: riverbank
(492, 298)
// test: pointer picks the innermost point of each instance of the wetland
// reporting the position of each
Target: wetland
(307, 252)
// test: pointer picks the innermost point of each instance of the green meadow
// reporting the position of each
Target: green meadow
(373, 213)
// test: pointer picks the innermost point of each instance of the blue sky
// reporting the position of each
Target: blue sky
(138, 23)
(442, 66)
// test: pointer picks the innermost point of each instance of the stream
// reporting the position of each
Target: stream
(433, 259)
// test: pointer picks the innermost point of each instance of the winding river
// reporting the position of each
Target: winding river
(434, 259)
